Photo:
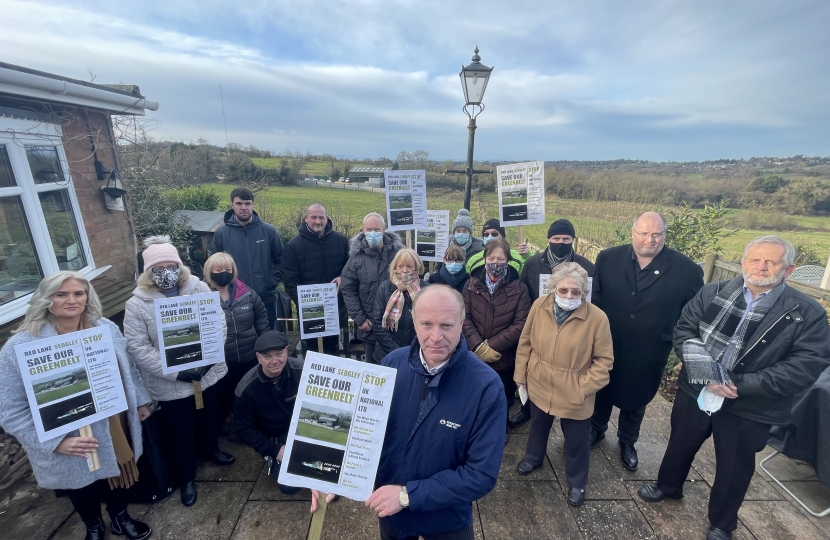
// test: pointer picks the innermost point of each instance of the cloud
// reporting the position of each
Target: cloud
(587, 80)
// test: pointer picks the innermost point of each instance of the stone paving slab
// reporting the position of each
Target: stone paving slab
(526, 511)
(650, 450)
(29, 512)
(814, 496)
(246, 468)
(74, 528)
(268, 520)
(774, 520)
(759, 488)
(603, 481)
(622, 520)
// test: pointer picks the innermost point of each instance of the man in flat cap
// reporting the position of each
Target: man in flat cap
(265, 400)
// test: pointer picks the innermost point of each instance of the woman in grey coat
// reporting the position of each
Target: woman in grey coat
(66, 302)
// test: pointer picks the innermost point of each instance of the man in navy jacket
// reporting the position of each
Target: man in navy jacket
(445, 436)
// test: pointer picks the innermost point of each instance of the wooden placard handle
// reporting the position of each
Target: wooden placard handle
(409, 238)
(521, 234)
(317, 518)
(92, 460)
(197, 395)
(320, 344)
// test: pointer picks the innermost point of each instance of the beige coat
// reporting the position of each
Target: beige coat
(142, 344)
(565, 367)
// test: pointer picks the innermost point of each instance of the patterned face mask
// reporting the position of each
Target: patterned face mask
(496, 270)
(166, 278)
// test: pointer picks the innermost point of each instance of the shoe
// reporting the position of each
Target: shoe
(628, 456)
(576, 496)
(596, 437)
(519, 418)
(718, 534)
(188, 490)
(651, 493)
(131, 528)
(222, 458)
(95, 530)
(525, 467)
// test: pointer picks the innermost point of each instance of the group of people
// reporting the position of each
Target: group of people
(465, 340)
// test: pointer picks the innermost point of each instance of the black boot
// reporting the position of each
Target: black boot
(520, 417)
(131, 528)
(95, 530)
(188, 493)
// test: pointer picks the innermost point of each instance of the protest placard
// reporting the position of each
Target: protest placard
(543, 286)
(338, 426)
(432, 242)
(319, 315)
(190, 331)
(521, 189)
(406, 200)
(71, 380)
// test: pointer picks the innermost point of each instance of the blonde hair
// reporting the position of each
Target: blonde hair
(406, 256)
(38, 314)
(218, 259)
(569, 270)
(145, 280)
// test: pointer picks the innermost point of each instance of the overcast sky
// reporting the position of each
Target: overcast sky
(658, 80)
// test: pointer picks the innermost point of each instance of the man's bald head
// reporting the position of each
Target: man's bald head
(438, 314)
(439, 293)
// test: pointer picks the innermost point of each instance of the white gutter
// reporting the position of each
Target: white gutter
(28, 85)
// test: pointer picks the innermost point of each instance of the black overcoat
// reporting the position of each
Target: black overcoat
(642, 317)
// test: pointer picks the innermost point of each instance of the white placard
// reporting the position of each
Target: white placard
(71, 380)
(319, 315)
(543, 286)
(338, 426)
(190, 331)
(521, 193)
(406, 200)
(432, 242)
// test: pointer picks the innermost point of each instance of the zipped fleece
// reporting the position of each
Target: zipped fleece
(785, 355)
(444, 439)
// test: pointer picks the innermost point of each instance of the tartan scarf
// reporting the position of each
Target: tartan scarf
(394, 306)
(722, 334)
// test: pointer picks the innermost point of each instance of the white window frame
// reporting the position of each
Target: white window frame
(16, 135)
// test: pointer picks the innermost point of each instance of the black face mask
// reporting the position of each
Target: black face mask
(222, 279)
(560, 250)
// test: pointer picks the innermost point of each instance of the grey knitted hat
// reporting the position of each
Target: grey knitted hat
(463, 220)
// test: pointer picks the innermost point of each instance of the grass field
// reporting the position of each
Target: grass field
(62, 392)
(313, 313)
(309, 168)
(322, 434)
(180, 340)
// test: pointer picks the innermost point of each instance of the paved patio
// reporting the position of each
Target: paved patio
(241, 502)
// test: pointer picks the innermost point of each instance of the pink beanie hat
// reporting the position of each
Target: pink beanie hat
(159, 250)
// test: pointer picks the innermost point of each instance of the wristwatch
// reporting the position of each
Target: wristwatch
(403, 498)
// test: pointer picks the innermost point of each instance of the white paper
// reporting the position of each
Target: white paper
(338, 426)
(431, 243)
(543, 286)
(521, 193)
(189, 331)
(319, 315)
(406, 200)
(523, 394)
(71, 380)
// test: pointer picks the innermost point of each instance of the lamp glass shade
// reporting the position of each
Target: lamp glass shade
(474, 83)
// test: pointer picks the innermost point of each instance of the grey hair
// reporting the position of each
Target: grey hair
(375, 215)
(569, 270)
(145, 280)
(641, 214)
(38, 314)
(316, 205)
(158, 239)
(789, 254)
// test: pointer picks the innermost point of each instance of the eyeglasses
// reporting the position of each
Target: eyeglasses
(652, 236)
(574, 292)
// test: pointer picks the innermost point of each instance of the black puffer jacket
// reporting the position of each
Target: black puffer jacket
(247, 319)
(364, 271)
(786, 354)
(309, 259)
(387, 340)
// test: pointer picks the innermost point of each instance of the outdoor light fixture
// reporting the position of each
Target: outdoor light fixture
(114, 188)
(474, 79)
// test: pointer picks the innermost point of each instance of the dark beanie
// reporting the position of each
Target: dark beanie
(493, 223)
(561, 226)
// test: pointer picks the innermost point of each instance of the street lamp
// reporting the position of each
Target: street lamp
(474, 78)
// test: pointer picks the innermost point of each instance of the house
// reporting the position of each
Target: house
(57, 152)
(372, 175)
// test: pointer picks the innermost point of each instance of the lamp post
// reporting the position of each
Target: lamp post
(474, 78)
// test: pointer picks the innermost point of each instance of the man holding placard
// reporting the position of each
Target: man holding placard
(445, 433)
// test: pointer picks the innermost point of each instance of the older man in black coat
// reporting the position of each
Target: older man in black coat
(642, 288)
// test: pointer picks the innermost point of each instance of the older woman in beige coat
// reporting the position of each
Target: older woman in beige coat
(564, 358)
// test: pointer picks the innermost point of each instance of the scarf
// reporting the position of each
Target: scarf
(123, 453)
(453, 280)
(552, 262)
(394, 306)
(491, 285)
(722, 334)
(464, 246)
(560, 314)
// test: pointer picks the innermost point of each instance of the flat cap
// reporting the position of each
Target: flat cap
(270, 340)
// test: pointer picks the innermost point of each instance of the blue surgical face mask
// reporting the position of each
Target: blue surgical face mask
(461, 238)
(374, 238)
(454, 267)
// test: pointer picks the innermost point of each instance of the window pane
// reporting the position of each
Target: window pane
(6, 174)
(45, 164)
(63, 230)
(20, 270)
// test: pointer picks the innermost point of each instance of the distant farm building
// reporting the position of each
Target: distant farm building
(372, 175)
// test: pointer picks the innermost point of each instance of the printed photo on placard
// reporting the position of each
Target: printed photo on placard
(190, 331)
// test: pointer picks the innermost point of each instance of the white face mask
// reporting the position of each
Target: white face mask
(568, 304)
(709, 402)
